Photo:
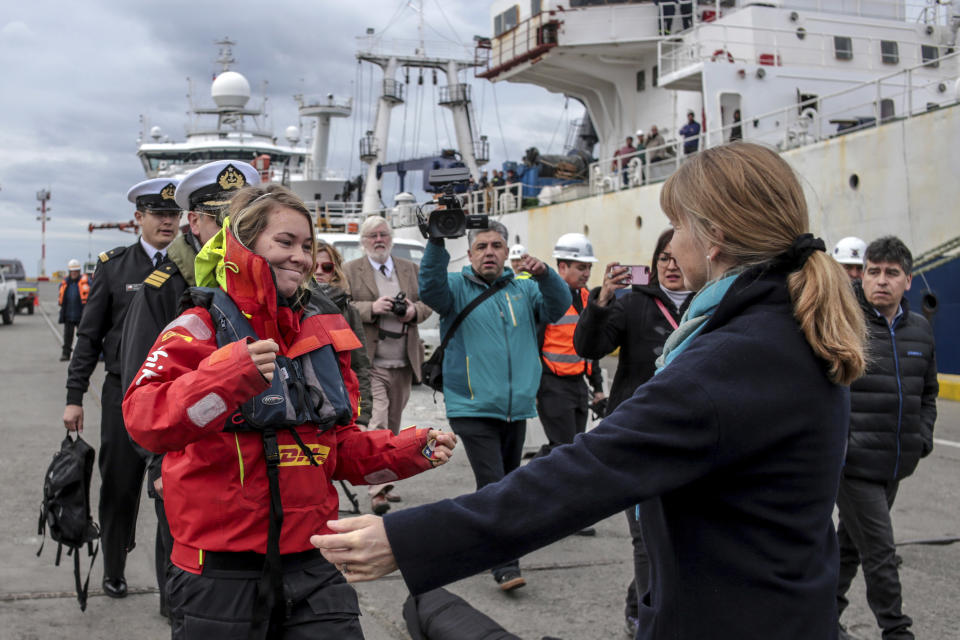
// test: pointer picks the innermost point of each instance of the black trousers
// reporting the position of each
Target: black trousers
(494, 449)
(162, 550)
(865, 537)
(641, 566)
(562, 403)
(320, 605)
(121, 480)
(69, 330)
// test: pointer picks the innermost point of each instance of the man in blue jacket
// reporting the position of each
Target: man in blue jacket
(491, 367)
(893, 408)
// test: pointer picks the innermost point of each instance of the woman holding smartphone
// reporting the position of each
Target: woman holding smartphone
(638, 322)
(250, 395)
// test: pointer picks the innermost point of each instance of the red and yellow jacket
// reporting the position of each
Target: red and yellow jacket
(215, 484)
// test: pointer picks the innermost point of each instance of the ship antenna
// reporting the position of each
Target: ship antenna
(225, 57)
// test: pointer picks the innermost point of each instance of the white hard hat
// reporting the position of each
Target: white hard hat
(639, 133)
(73, 265)
(574, 246)
(516, 252)
(850, 250)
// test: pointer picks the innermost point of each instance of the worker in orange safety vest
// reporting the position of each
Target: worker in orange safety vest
(563, 399)
(74, 291)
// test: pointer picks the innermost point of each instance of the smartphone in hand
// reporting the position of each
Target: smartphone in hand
(637, 274)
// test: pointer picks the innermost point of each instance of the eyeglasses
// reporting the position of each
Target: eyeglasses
(326, 267)
(666, 258)
(377, 234)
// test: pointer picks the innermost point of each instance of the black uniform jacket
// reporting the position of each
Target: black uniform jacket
(734, 453)
(634, 323)
(894, 405)
(118, 277)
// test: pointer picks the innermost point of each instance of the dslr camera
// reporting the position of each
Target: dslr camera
(447, 219)
(398, 306)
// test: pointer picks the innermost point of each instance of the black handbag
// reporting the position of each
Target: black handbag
(431, 373)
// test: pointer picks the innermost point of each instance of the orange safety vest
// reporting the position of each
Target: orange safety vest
(558, 353)
(83, 284)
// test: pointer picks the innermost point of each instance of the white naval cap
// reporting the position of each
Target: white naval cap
(154, 194)
(210, 187)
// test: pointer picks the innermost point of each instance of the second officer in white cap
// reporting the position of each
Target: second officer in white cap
(119, 275)
(204, 193)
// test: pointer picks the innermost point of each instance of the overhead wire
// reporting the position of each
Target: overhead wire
(563, 114)
(496, 108)
(445, 19)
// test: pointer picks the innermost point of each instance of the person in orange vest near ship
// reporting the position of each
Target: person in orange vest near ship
(74, 291)
(563, 399)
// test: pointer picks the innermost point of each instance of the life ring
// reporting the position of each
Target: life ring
(719, 53)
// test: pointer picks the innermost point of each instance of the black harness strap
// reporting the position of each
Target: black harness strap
(267, 606)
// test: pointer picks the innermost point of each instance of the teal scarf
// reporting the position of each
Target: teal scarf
(693, 321)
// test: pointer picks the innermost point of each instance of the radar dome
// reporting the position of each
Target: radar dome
(230, 89)
(292, 133)
(156, 133)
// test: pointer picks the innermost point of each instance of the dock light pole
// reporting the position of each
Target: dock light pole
(43, 196)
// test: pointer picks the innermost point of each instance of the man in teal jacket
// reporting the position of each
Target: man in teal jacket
(491, 367)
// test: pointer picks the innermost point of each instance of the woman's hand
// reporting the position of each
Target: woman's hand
(264, 355)
(443, 444)
(360, 549)
(614, 277)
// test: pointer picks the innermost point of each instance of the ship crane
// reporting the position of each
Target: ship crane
(131, 226)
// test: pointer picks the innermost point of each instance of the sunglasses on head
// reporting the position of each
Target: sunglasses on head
(326, 267)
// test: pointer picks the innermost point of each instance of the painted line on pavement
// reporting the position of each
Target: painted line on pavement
(59, 337)
(946, 443)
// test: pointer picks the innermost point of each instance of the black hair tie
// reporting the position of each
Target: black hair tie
(796, 256)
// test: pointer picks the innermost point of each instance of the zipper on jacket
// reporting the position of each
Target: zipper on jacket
(239, 458)
(469, 386)
(510, 306)
(896, 366)
(506, 343)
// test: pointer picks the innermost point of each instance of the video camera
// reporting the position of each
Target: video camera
(448, 219)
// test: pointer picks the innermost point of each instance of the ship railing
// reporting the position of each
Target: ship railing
(896, 96)
(750, 47)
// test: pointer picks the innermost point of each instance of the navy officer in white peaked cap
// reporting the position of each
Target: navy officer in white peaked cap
(204, 193)
(119, 275)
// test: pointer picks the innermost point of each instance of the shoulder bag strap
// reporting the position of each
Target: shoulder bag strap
(666, 314)
(492, 289)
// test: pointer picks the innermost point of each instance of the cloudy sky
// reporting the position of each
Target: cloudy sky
(75, 83)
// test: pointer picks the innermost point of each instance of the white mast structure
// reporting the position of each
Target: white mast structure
(323, 112)
(455, 96)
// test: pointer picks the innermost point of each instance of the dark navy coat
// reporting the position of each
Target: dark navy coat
(734, 451)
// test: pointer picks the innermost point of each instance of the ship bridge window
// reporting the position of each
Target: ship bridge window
(889, 52)
(506, 21)
(655, 76)
(641, 80)
(535, 7)
(843, 47)
(929, 54)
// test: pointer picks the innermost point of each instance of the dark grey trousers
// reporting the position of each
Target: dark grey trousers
(865, 536)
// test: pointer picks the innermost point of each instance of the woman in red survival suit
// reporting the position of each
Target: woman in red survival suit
(250, 395)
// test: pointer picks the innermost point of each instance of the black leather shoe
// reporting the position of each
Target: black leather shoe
(115, 587)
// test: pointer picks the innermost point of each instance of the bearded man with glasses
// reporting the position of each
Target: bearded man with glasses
(390, 330)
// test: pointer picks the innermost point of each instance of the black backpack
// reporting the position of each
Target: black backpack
(66, 507)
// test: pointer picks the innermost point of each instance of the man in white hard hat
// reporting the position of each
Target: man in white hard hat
(515, 257)
(849, 252)
(74, 291)
(563, 399)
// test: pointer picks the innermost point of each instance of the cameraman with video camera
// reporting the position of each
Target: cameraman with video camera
(384, 291)
(491, 365)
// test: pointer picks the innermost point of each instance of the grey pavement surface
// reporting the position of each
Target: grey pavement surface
(575, 586)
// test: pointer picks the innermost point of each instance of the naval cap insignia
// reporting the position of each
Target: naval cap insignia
(167, 192)
(230, 178)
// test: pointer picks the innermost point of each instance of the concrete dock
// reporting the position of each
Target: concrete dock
(575, 587)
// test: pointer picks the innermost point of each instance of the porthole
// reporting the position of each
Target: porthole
(854, 181)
